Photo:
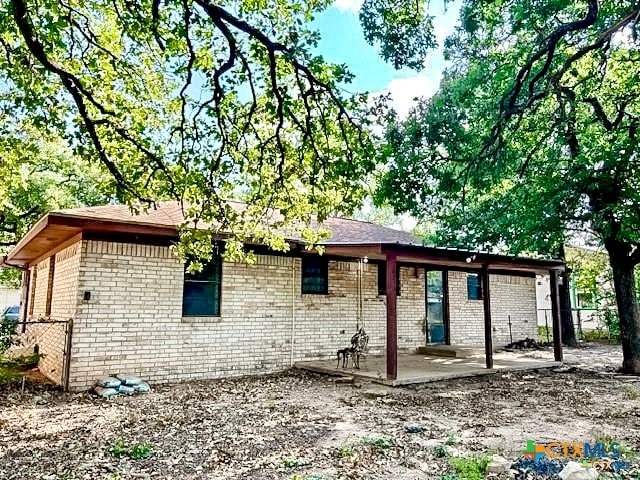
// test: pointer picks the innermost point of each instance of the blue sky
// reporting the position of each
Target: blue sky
(343, 42)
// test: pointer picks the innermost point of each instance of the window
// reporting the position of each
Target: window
(474, 289)
(382, 279)
(201, 295)
(315, 275)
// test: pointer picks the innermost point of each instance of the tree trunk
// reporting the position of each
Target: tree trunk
(566, 314)
(628, 311)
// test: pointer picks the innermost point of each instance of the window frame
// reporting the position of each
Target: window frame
(323, 264)
(382, 279)
(478, 287)
(216, 262)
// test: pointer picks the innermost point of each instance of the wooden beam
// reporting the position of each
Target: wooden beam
(488, 329)
(392, 317)
(555, 316)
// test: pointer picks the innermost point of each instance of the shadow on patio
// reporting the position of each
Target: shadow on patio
(418, 368)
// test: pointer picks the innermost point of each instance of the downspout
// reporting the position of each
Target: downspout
(359, 316)
(26, 288)
(293, 309)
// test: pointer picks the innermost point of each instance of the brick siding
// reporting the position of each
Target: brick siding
(60, 285)
(510, 296)
(133, 321)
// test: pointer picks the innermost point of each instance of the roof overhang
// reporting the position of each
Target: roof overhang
(55, 229)
(445, 257)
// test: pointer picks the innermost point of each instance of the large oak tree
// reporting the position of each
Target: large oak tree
(196, 101)
(532, 134)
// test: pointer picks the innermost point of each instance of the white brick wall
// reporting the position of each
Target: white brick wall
(39, 297)
(51, 337)
(510, 295)
(133, 322)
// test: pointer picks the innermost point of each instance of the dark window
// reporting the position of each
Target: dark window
(201, 296)
(382, 279)
(315, 275)
(474, 289)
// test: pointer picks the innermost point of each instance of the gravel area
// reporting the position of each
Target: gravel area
(303, 426)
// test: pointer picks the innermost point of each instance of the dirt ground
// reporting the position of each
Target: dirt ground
(302, 426)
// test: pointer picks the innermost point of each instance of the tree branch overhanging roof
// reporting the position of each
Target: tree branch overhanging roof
(348, 237)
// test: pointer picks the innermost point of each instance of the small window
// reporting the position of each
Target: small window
(202, 290)
(474, 289)
(382, 279)
(315, 275)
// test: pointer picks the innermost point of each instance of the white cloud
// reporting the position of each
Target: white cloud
(348, 5)
(404, 90)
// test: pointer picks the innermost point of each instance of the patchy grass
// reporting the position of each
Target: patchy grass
(633, 393)
(600, 436)
(346, 452)
(11, 369)
(380, 442)
(135, 451)
(470, 468)
(451, 439)
(440, 451)
(292, 462)
(449, 476)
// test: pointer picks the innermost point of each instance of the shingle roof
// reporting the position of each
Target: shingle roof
(169, 214)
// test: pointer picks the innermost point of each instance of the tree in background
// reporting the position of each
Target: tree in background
(532, 134)
(593, 280)
(40, 174)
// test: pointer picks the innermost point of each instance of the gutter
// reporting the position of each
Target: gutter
(5, 263)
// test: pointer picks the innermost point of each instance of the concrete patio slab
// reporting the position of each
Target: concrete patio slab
(416, 368)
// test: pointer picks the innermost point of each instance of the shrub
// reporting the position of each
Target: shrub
(11, 368)
(544, 333)
(7, 329)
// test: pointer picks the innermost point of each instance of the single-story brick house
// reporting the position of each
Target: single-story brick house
(133, 308)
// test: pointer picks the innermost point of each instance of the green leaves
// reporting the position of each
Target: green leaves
(402, 29)
(193, 101)
(532, 135)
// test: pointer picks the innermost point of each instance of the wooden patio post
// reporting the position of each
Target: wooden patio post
(392, 320)
(488, 329)
(555, 315)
